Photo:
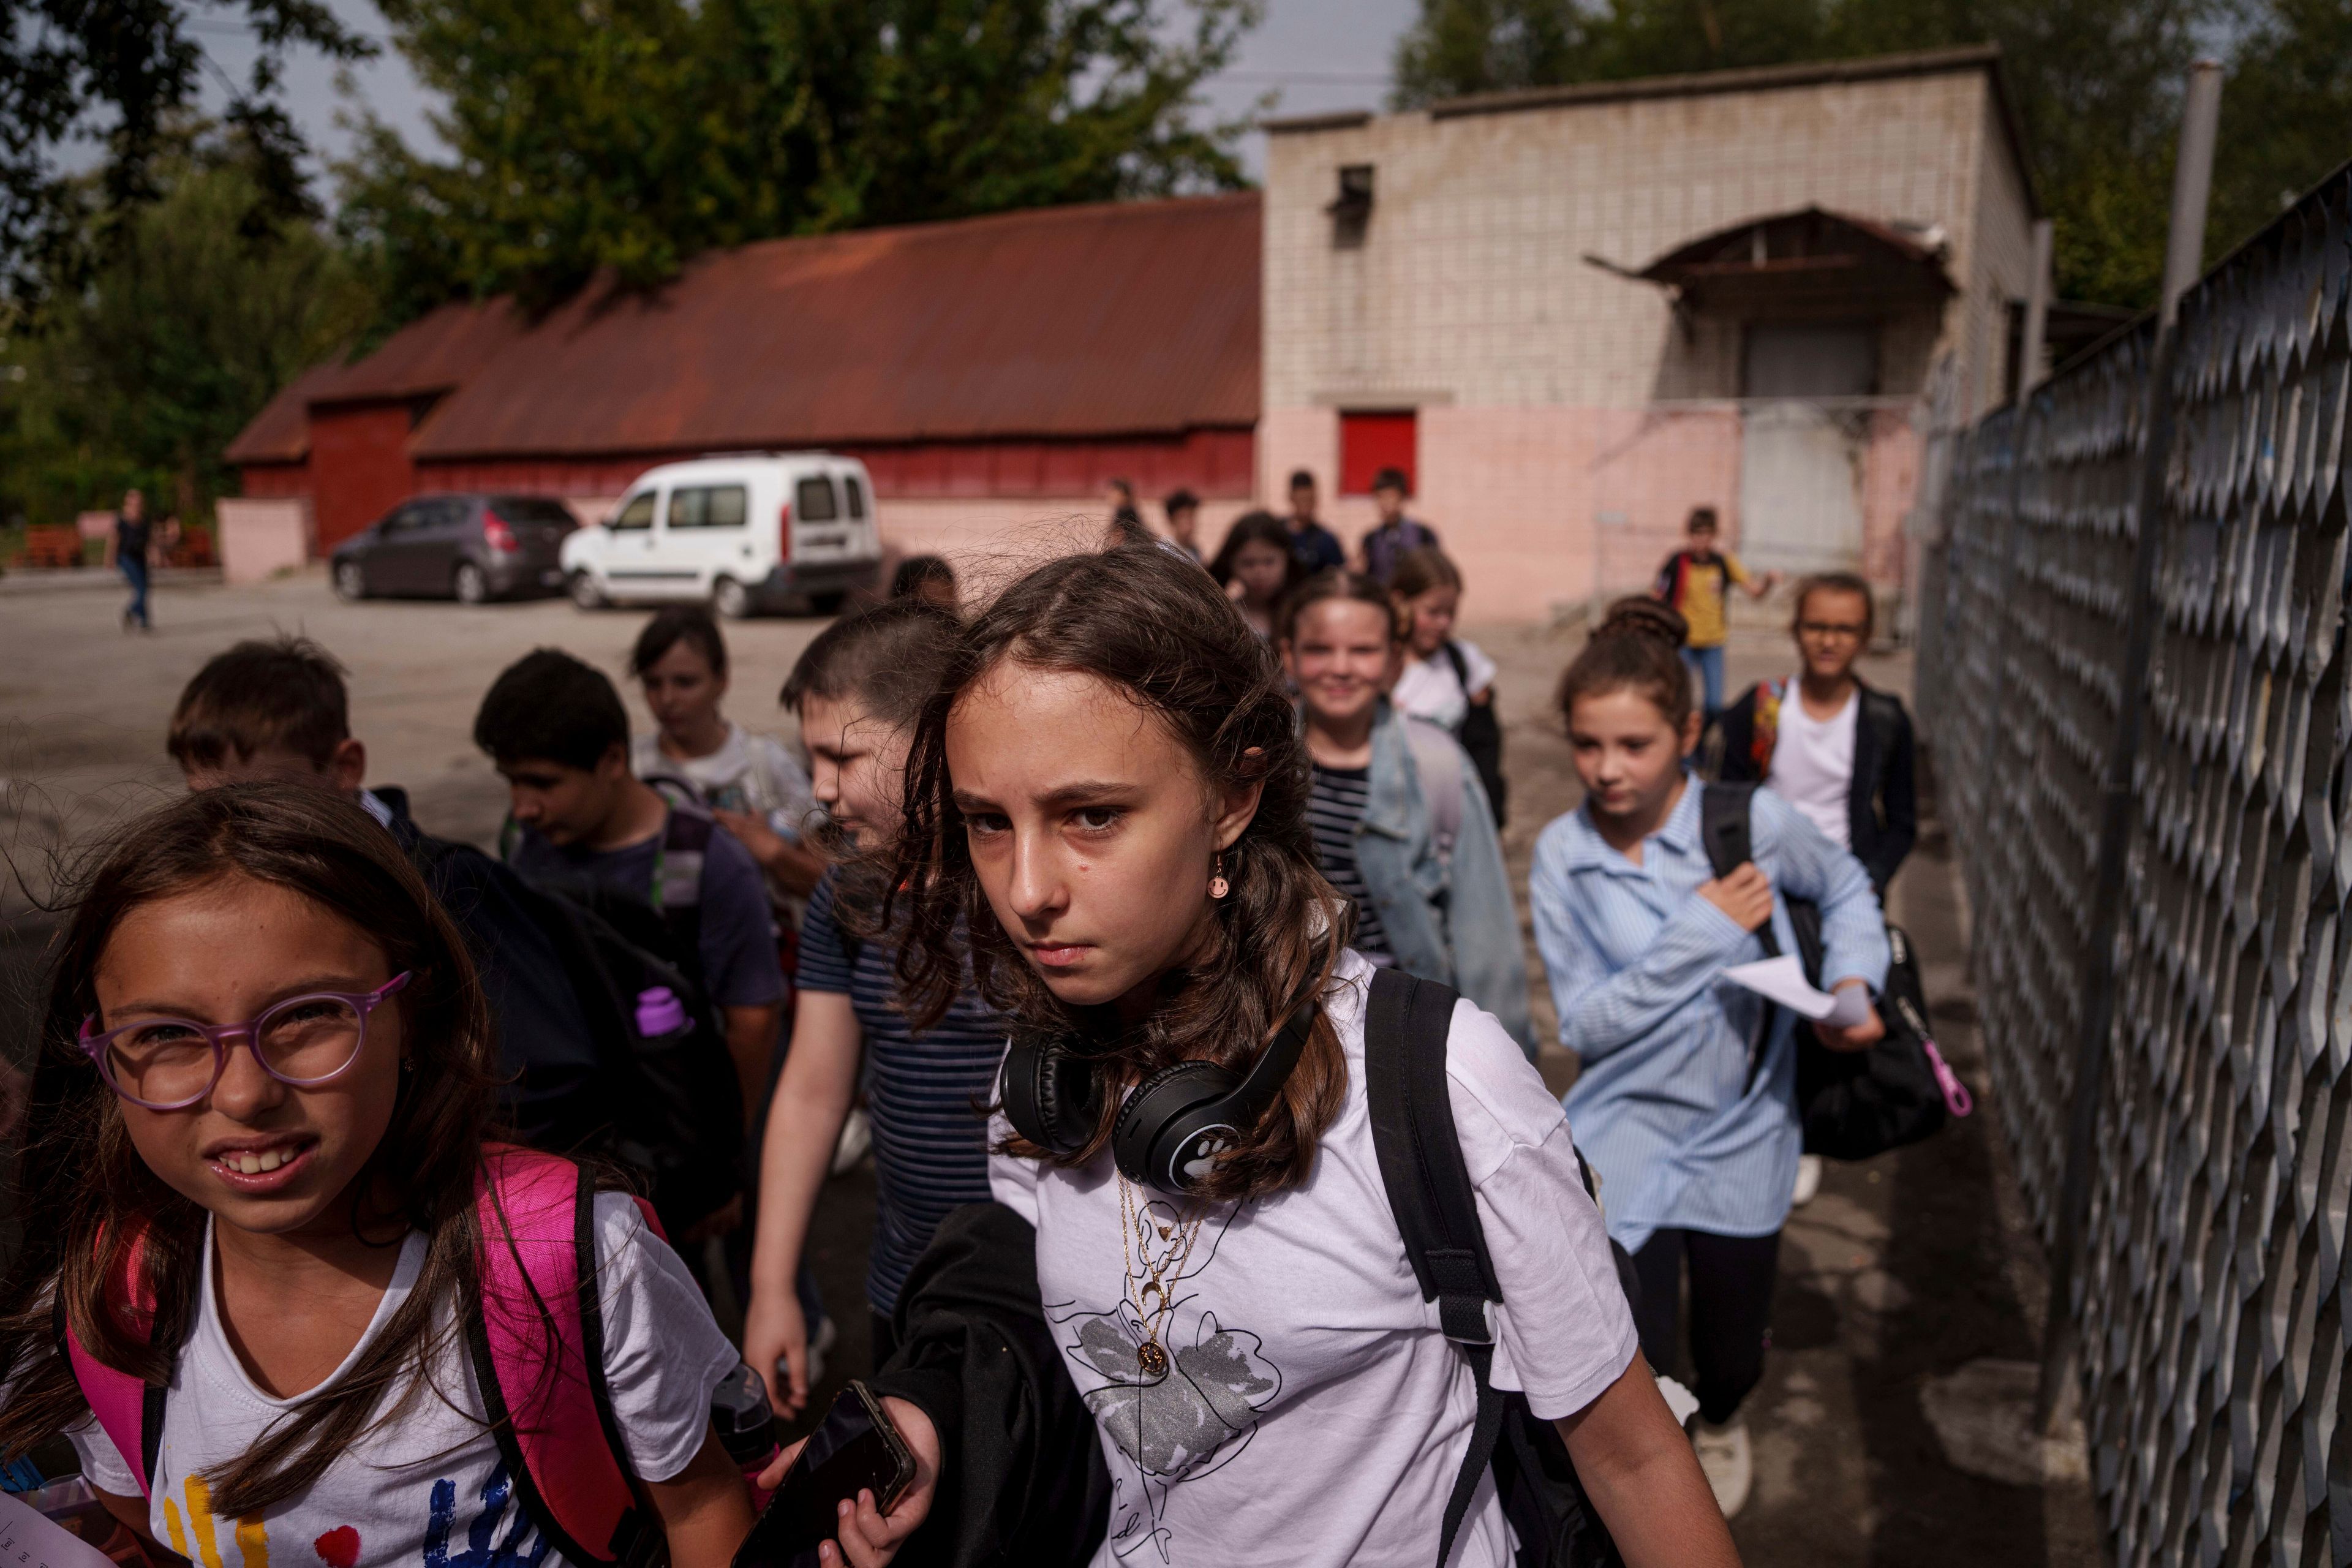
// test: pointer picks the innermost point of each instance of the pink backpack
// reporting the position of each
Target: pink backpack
(537, 1341)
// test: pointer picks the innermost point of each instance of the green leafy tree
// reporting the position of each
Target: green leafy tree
(125, 71)
(633, 134)
(144, 372)
(2097, 84)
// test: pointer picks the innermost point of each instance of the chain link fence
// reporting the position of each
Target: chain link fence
(2209, 1274)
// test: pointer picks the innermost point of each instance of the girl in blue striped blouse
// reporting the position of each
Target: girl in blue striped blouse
(1689, 1117)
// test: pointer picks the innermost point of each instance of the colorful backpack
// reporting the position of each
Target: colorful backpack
(537, 1343)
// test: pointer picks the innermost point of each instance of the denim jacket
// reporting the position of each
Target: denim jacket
(1450, 922)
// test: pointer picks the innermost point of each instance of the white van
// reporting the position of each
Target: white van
(749, 532)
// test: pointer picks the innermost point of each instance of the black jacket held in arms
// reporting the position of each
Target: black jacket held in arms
(1882, 804)
(1022, 1477)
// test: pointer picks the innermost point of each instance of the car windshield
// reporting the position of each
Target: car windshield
(533, 509)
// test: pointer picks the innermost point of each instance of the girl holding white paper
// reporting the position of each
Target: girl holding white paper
(1688, 1117)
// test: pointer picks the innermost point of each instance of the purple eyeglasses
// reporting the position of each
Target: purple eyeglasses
(167, 1064)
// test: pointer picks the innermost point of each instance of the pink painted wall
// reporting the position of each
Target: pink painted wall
(1543, 507)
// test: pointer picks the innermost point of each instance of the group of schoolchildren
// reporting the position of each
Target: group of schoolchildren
(1097, 908)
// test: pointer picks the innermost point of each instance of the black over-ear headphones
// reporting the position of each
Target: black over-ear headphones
(1172, 1124)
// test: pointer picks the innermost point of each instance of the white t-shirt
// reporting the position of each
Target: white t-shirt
(1813, 764)
(1312, 1412)
(1428, 687)
(431, 1489)
(748, 773)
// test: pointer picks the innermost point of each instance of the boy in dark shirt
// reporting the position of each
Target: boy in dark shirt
(1397, 535)
(559, 737)
(1315, 546)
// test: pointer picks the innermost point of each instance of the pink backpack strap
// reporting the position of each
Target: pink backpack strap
(539, 1355)
(128, 1411)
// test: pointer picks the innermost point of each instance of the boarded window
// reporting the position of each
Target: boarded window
(812, 500)
(1370, 442)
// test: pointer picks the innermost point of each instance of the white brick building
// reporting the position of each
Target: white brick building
(1579, 312)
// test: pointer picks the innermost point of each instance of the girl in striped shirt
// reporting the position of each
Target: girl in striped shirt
(1689, 1117)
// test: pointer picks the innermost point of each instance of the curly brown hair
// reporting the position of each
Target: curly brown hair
(1155, 627)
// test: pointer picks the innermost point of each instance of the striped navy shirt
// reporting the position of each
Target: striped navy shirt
(927, 1096)
(1666, 1110)
(1334, 810)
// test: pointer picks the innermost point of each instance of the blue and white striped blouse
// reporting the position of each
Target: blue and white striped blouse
(1664, 1110)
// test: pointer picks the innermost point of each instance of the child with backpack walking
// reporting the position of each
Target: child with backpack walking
(1446, 679)
(751, 785)
(858, 690)
(1399, 819)
(1109, 791)
(1838, 751)
(578, 815)
(309, 1306)
(1687, 1104)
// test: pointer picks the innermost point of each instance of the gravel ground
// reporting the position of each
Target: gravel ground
(1904, 1268)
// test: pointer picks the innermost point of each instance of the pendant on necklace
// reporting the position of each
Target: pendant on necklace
(1151, 1359)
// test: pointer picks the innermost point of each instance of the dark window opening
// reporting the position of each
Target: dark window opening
(1352, 214)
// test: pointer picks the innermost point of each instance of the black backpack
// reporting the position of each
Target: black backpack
(1406, 1023)
(1481, 735)
(670, 1105)
(1852, 1104)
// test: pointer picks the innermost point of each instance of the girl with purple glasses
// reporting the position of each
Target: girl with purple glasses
(255, 1166)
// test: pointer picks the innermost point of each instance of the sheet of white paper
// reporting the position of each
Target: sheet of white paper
(1783, 980)
(28, 1539)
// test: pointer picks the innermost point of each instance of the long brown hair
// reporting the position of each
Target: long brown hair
(1155, 627)
(105, 1216)
(1636, 648)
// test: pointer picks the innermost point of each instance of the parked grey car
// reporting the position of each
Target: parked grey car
(469, 548)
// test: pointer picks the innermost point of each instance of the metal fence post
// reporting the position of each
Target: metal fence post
(2192, 182)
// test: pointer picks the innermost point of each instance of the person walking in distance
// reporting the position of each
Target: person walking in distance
(1696, 582)
(130, 547)
(1396, 534)
(1400, 820)
(1184, 509)
(1838, 751)
(1235, 1305)
(858, 690)
(1687, 1104)
(1316, 547)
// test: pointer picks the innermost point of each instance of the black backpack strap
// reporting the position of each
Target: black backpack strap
(1406, 1022)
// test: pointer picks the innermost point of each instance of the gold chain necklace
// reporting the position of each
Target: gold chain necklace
(1151, 1357)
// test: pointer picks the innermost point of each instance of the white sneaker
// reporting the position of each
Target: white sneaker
(820, 1342)
(856, 1137)
(1808, 1179)
(1724, 1456)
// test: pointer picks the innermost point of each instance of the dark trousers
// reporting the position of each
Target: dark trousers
(134, 571)
(1731, 1311)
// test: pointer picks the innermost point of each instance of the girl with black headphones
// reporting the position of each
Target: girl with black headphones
(1109, 792)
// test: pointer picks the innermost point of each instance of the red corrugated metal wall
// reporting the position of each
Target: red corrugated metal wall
(359, 466)
(1217, 464)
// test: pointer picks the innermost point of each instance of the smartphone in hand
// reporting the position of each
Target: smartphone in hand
(855, 1449)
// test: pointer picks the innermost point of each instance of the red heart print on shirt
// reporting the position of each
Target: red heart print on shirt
(339, 1548)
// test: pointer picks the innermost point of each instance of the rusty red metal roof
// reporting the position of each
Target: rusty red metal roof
(436, 352)
(1114, 319)
(431, 356)
(280, 433)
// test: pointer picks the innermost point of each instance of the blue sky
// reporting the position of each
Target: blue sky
(1313, 54)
